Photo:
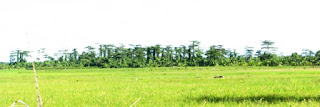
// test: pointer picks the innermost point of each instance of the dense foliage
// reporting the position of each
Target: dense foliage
(110, 56)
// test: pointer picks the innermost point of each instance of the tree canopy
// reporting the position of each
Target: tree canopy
(111, 56)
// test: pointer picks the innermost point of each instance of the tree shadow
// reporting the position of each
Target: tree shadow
(261, 98)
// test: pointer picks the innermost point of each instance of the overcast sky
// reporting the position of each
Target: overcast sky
(64, 24)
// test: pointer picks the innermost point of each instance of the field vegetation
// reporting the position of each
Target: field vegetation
(165, 86)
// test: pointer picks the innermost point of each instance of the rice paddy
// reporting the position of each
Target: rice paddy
(174, 86)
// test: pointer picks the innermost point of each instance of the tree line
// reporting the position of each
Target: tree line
(111, 56)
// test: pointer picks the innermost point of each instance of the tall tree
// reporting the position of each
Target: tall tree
(23, 56)
(18, 55)
(249, 52)
(216, 55)
(268, 46)
(12, 57)
(307, 52)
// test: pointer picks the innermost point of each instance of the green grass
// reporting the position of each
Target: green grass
(241, 86)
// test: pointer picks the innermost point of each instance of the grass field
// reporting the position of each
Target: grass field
(241, 86)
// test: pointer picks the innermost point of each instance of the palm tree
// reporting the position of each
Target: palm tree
(249, 52)
(268, 45)
(23, 56)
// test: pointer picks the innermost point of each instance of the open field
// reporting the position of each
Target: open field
(241, 86)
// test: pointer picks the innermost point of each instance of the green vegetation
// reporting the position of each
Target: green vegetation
(167, 86)
(136, 56)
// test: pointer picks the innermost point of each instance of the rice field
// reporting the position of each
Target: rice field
(191, 86)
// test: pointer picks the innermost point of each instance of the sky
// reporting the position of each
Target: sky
(66, 24)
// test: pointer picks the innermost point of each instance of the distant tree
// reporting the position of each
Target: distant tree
(90, 49)
(259, 53)
(168, 56)
(111, 56)
(18, 55)
(156, 53)
(232, 56)
(216, 55)
(184, 54)
(110, 49)
(317, 57)
(65, 54)
(12, 57)
(75, 54)
(192, 52)
(317, 54)
(295, 59)
(23, 56)
(48, 57)
(211, 56)
(178, 56)
(249, 52)
(307, 52)
(267, 45)
(249, 56)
